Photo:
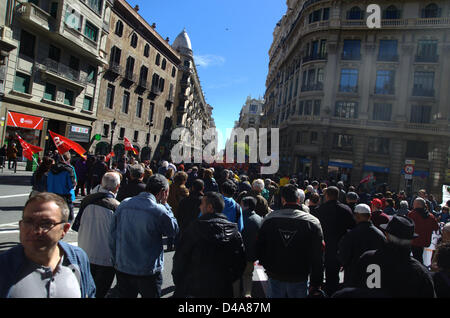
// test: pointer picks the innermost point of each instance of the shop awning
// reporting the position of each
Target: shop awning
(340, 164)
(25, 121)
(376, 169)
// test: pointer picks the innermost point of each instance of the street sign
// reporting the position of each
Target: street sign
(408, 176)
(410, 162)
(409, 169)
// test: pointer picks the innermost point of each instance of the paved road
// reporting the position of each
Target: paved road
(14, 191)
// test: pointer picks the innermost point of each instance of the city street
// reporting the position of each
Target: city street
(14, 192)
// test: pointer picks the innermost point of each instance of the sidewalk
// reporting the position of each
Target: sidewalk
(20, 171)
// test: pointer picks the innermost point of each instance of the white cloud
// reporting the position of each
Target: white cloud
(208, 60)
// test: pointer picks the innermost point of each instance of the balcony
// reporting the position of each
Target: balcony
(422, 91)
(312, 87)
(36, 17)
(387, 90)
(388, 58)
(115, 68)
(6, 42)
(314, 57)
(61, 73)
(427, 58)
(143, 84)
(350, 56)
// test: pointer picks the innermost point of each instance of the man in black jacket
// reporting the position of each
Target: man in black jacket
(134, 186)
(189, 207)
(290, 247)
(335, 218)
(364, 237)
(210, 255)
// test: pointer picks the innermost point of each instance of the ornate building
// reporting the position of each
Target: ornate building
(352, 101)
(250, 115)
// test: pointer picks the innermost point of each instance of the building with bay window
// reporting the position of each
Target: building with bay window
(352, 101)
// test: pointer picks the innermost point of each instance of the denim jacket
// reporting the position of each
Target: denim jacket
(12, 261)
(136, 233)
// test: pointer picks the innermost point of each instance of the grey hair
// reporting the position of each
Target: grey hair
(110, 181)
(258, 184)
(136, 171)
(302, 195)
(165, 164)
(398, 241)
(404, 204)
(446, 227)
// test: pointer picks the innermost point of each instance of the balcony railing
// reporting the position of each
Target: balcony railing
(385, 90)
(388, 58)
(31, 13)
(421, 91)
(142, 83)
(312, 87)
(350, 56)
(427, 59)
(155, 90)
(314, 57)
(115, 68)
(61, 69)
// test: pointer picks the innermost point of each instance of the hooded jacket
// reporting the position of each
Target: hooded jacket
(62, 180)
(209, 258)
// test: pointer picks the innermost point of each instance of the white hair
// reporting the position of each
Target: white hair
(165, 164)
(398, 241)
(404, 204)
(258, 184)
(110, 181)
(310, 188)
(302, 195)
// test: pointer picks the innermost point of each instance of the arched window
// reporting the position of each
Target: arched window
(158, 59)
(147, 50)
(164, 63)
(391, 13)
(355, 13)
(119, 28)
(431, 11)
(134, 40)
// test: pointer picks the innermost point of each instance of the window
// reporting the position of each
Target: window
(323, 49)
(421, 114)
(119, 28)
(346, 110)
(22, 83)
(355, 13)
(150, 112)
(431, 11)
(122, 133)
(314, 137)
(136, 135)
(147, 138)
(385, 83)
(50, 92)
(388, 50)
(416, 149)
(378, 145)
(143, 76)
(91, 74)
(316, 15)
(147, 50)
(69, 97)
(308, 108)
(87, 103)
(391, 13)
(316, 111)
(90, 31)
(125, 102)
(173, 71)
(95, 5)
(349, 81)
(186, 63)
(352, 50)
(115, 56)
(74, 63)
(161, 84)
(134, 40)
(27, 43)
(423, 84)
(110, 96)
(326, 14)
(129, 67)
(296, 85)
(343, 142)
(54, 53)
(73, 19)
(300, 108)
(139, 107)
(164, 64)
(105, 130)
(382, 111)
(427, 51)
(158, 59)
(155, 81)
(170, 97)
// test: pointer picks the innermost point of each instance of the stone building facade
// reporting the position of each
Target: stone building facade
(352, 101)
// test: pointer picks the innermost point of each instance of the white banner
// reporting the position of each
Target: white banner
(445, 194)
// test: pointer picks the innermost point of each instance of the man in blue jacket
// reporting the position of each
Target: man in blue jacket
(43, 266)
(232, 209)
(136, 239)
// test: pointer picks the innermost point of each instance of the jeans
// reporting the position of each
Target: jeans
(103, 277)
(129, 286)
(280, 289)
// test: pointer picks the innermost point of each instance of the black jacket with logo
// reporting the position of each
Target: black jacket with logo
(290, 246)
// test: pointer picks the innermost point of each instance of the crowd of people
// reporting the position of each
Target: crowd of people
(220, 223)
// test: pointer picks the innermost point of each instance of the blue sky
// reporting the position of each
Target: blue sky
(230, 40)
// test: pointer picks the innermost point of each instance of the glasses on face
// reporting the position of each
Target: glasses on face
(43, 226)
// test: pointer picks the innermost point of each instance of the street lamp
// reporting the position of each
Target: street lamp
(150, 125)
(113, 127)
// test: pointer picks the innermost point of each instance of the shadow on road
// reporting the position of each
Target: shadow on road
(15, 180)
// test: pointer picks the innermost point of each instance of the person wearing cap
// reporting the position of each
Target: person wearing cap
(378, 216)
(363, 237)
(425, 224)
(336, 219)
(352, 199)
(390, 270)
(136, 241)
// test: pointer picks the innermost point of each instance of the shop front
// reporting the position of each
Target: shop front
(380, 175)
(340, 170)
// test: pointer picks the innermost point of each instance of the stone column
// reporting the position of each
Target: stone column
(405, 77)
(397, 164)
(330, 77)
(438, 167)
(366, 75)
(444, 85)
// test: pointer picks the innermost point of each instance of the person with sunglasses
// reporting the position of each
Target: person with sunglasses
(43, 266)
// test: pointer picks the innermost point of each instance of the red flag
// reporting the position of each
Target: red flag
(64, 144)
(108, 156)
(28, 150)
(367, 178)
(129, 146)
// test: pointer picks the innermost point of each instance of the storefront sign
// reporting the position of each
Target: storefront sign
(79, 133)
(25, 121)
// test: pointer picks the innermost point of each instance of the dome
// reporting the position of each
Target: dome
(182, 41)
